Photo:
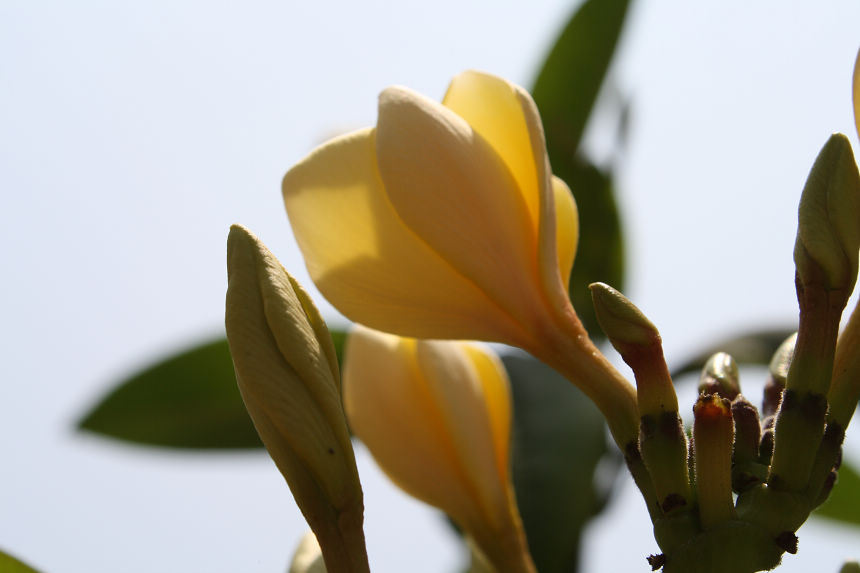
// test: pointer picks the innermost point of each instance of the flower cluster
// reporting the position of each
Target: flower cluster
(444, 223)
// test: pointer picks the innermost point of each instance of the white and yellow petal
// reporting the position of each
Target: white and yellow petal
(367, 262)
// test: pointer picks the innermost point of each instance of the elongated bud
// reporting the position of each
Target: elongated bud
(661, 436)
(720, 376)
(713, 436)
(845, 388)
(778, 373)
(826, 253)
(639, 343)
(746, 469)
(288, 376)
(828, 234)
(850, 566)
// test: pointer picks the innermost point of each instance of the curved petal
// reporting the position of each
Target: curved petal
(393, 413)
(497, 396)
(453, 190)
(566, 228)
(492, 107)
(456, 391)
(367, 263)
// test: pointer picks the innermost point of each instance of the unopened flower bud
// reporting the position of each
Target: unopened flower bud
(288, 376)
(828, 234)
(713, 435)
(720, 376)
(778, 373)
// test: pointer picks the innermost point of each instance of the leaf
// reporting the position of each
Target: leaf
(843, 505)
(565, 92)
(559, 438)
(9, 564)
(189, 400)
(570, 79)
(749, 347)
(600, 256)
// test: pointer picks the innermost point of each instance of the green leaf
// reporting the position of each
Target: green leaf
(749, 347)
(567, 85)
(600, 254)
(565, 92)
(559, 437)
(9, 564)
(843, 505)
(189, 400)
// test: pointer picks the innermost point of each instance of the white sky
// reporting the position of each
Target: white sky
(133, 134)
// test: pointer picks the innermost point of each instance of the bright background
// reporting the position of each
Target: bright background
(133, 134)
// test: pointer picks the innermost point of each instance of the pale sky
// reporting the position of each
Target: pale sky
(133, 135)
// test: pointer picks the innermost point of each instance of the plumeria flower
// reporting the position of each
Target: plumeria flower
(436, 415)
(445, 221)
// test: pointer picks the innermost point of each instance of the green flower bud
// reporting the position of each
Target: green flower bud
(828, 234)
(287, 373)
(720, 376)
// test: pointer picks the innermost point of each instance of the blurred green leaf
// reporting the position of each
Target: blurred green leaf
(750, 347)
(843, 505)
(559, 440)
(189, 400)
(600, 254)
(565, 92)
(9, 564)
(570, 79)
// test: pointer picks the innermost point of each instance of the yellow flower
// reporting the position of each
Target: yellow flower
(857, 93)
(288, 375)
(436, 415)
(441, 221)
(444, 221)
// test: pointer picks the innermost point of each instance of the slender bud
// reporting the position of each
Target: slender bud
(713, 436)
(845, 388)
(720, 376)
(746, 469)
(828, 234)
(661, 437)
(850, 566)
(288, 376)
(778, 373)
(826, 254)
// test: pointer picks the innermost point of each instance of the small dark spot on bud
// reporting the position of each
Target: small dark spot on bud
(331, 451)
(834, 435)
(814, 407)
(670, 425)
(673, 501)
(787, 541)
(776, 482)
(648, 426)
(790, 400)
(631, 453)
(742, 481)
(656, 561)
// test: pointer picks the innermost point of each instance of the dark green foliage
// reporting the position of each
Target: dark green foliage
(565, 92)
(559, 438)
(843, 505)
